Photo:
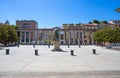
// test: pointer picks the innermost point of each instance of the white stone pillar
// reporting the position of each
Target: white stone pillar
(37, 36)
(29, 37)
(82, 38)
(25, 37)
(34, 37)
(44, 36)
(64, 37)
(59, 37)
(92, 39)
(69, 37)
(78, 40)
(74, 39)
(69, 40)
(20, 36)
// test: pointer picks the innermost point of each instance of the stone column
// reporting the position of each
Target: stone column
(20, 36)
(29, 37)
(69, 38)
(69, 41)
(82, 39)
(74, 40)
(44, 36)
(25, 37)
(78, 38)
(59, 37)
(64, 37)
(78, 41)
(34, 37)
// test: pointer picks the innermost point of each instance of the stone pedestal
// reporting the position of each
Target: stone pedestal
(57, 46)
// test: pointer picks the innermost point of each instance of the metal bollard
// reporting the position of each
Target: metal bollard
(79, 46)
(68, 46)
(72, 52)
(7, 51)
(36, 52)
(33, 46)
(18, 45)
(94, 51)
(48, 45)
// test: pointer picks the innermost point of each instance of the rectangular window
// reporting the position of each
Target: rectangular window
(80, 37)
(84, 36)
(61, 36)
(80, 33)
(77, 34)
(84, 32)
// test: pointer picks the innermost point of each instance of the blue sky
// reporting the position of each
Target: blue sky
(51, 13)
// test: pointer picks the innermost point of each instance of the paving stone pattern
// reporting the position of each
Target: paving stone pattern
(23, 63)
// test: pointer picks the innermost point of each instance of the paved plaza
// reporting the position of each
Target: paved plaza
(23, 60)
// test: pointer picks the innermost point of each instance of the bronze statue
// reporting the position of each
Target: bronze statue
(56, 41)
(56, 35)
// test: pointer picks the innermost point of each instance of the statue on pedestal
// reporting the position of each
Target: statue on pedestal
(56, 41)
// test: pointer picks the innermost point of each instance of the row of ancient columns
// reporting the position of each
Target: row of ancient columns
(25, 36)
(32, 36)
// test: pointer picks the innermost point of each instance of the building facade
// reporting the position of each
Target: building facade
(27, 30)
(72, 34)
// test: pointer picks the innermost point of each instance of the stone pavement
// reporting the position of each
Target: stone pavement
(23, 63)
(83, 74)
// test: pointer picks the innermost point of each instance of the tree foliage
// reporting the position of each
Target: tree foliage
(96, 21)
(8, 34)
(107, 35)
(104, 21)
(116, 35)
(89, 22)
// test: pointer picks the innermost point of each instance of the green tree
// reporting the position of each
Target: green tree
(98, 37)
(104, 21)
(8, 34)
(116, 35)
(1, 33)
(89, 22)
(107, 35)
(103, 35)
(96, 21)
(15, 27)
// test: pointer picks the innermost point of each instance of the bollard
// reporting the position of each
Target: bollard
(94, 51)
(48, 45)
(68, 46)
(7, 51)
(79, 45)
(33, 46)
(18, 46)
(72, 52)
(36, 52)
